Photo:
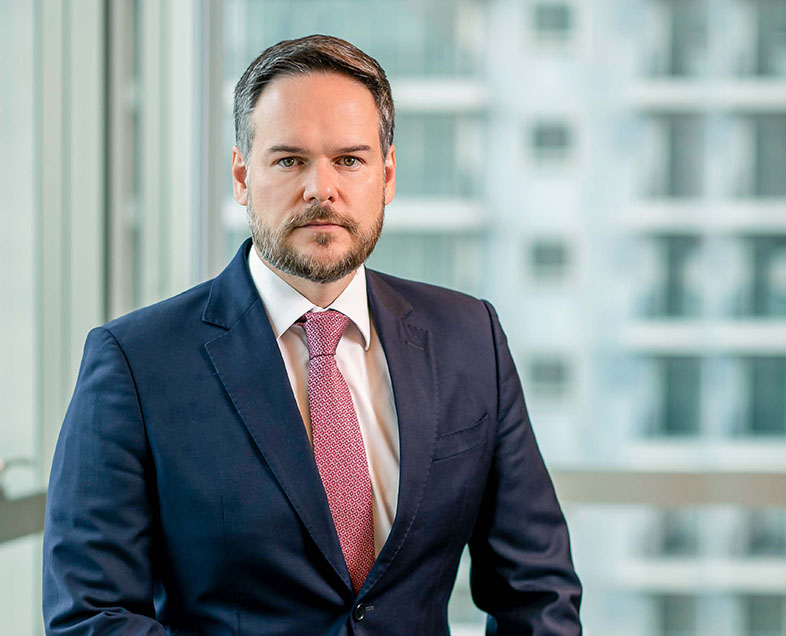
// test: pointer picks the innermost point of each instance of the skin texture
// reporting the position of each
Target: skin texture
(316, 183)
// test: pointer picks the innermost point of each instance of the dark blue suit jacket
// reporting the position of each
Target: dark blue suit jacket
(184, 496)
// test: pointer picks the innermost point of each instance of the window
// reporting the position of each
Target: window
(766, 533)
(769, 155)
(549, 377)
(676, 289)
(430, 157)
(771, 43)
(551, 142)
(768, 271)
(764, 615)
(679, 400)
(450, 259)
(549, 259)
(683, 156)
(418, 38)
(677, 533)
(688, 46)
(676, 615)
(553, 21)
(766, 390)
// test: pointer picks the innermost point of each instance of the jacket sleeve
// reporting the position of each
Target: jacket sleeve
(522, 573)
(97, 576)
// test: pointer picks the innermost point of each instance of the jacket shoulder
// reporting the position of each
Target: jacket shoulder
(164, 319)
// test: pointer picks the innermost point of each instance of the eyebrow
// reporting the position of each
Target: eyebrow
(301, 151)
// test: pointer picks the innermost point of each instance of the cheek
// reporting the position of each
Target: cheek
(274, 196)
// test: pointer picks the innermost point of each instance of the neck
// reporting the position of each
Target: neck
(320, 294)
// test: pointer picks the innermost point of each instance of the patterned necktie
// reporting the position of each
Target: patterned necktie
(338, 444)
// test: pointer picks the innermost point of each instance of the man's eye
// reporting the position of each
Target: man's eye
(349, 162)
(287, 162)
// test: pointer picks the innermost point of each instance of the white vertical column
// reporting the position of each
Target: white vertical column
(71, 163)
(213, 156)
(154, 150)
(182, 145)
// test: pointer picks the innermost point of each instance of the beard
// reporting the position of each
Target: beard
(274, 245)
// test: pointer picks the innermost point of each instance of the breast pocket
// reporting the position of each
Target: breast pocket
(461, 441)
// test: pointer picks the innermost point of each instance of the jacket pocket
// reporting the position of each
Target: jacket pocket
(460, 441)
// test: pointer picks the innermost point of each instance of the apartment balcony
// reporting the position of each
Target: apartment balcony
(701, 451)
(745, 215)
(712, 575)
(678, 336)
(440, 94)
(443, 214)
(699, 94)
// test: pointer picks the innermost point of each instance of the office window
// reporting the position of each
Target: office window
(548, 259)
(769, 155)
(771, 41)
(677, 533)
(430, 161)
(678, 157)
(549, 377)
(766, 533)
(679, 396)
(764, 615)
(675, 616)
(688, 45)
(418, 38)
(676, 289)
(450, 259)
(767, 297)
(684, 158)
(551, 142)
(552, 21)
(766, 391)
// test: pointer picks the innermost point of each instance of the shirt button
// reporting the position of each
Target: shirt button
(359, 613)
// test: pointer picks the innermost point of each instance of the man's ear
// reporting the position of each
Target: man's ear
(390, 175)
(239, 177)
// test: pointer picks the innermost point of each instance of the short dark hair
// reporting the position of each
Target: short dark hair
(310, 54)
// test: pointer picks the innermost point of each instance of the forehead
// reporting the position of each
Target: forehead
(316, 108)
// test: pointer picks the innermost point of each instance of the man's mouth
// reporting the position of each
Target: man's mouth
(322, 225)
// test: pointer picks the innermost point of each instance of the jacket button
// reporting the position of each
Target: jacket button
(359, 613)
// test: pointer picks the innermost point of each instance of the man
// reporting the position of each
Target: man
(301, 446)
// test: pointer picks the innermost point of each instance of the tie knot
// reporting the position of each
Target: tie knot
(323, 331)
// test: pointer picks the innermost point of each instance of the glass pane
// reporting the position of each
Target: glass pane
(771, 50)
(688, 37)
(684, 159)
(770, 155)
(767, 396)
(676, 615)
(20, 427)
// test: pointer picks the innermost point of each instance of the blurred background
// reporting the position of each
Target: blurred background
(611, 174)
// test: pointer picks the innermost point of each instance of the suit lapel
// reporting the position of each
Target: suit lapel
(410, 357)
(249, 364)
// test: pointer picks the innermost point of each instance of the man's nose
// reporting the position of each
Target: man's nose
(320, 184)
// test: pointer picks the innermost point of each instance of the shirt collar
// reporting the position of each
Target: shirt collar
(284, 304)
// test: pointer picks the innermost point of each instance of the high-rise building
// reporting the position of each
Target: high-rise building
(611, 174)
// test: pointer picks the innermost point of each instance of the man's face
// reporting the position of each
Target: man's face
(316, 184)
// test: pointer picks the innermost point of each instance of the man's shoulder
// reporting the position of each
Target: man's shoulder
(165, 318)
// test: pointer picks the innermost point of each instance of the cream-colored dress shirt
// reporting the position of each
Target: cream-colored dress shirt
(362, 362)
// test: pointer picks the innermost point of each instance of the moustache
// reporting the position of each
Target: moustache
(318, 212)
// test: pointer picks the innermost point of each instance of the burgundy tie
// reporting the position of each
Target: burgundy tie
(338, 444)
